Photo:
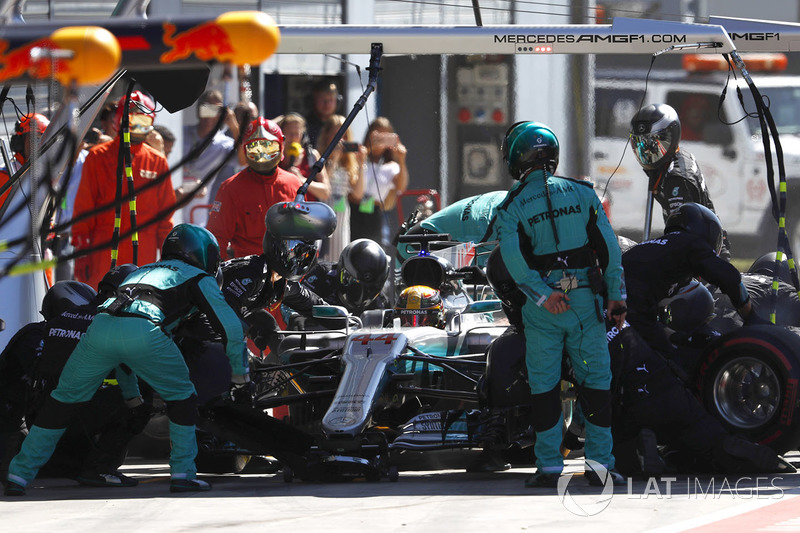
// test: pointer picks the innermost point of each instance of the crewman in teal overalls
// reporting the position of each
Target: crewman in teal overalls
(133, 329)
(467, 220)
(559, 246)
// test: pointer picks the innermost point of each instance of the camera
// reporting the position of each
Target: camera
(208, 110)
(390, 140)
(348, 146)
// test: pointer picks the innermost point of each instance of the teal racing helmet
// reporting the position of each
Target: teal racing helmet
(193, 245)
(528, 145)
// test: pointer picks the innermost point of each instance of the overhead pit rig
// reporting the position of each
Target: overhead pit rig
(165, 48)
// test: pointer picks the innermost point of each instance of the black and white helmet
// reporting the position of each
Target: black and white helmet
(655, 135)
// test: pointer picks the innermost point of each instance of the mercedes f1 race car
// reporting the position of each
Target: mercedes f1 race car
(351, 396)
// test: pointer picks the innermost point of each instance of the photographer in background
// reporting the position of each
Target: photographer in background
(386, 176)
(345, 167)
(209, 106)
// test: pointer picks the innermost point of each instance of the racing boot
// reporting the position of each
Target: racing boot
(188, 485)
(734, 454)
(14, 489)
(650, 462)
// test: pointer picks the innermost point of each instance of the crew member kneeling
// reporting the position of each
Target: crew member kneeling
(132, 329)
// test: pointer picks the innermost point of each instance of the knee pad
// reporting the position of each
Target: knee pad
(546, 409)
(57, 415)
(183, 412)
(596, 405)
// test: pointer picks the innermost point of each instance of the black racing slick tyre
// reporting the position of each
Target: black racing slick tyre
(748, 379)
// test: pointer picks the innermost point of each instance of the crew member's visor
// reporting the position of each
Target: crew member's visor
(296, 257)
(355, 294)
(140, 123)
(262, 150)
(650, 148)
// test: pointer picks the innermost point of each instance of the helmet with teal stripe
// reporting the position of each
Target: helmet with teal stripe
(528, 145)
(193, 245)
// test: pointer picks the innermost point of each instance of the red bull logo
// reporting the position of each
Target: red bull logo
(207, 41)
(17, 62)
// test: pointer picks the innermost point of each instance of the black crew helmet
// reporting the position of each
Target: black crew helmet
(361, 273)
(193, 245)
(698, 220)
(655, 135)
(292, 231)
(765, 265)
(114, 278)
(291, 258)
(528, 145)
(502, 283)
(689, 310)
(64, 295)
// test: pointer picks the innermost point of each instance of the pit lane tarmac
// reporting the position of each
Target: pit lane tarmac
(440, 501)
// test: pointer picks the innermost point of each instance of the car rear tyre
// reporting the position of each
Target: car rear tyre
(749, 380)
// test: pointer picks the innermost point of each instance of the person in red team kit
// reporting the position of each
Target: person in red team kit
(20, 144)
(237, 216)
(98, 187)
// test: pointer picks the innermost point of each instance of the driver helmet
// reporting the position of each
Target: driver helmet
(420, 305)
(63, 296)
(688, 310)
(193, 245)
(263, 145)
(698, 220)
(655, 135)
(291, 258)
(23, 127)
(141, 116)
(361, 273)
(529, 145)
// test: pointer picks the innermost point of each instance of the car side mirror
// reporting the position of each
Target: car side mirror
(484, 306)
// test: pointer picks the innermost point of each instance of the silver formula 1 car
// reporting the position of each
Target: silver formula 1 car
(369, 388)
